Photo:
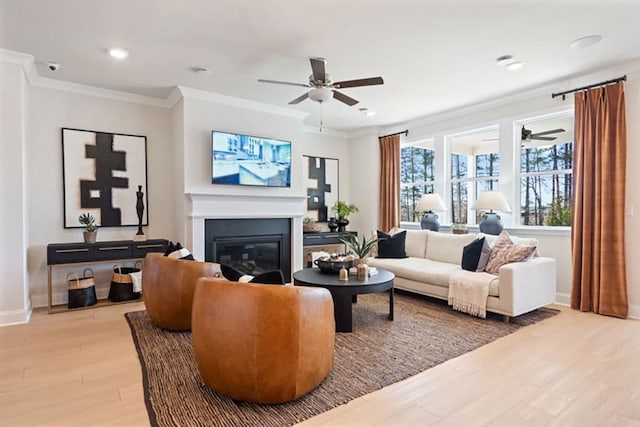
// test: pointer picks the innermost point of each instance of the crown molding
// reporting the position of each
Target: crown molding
(202, 95)
(97, 92)
(557, 85)
(13, 57)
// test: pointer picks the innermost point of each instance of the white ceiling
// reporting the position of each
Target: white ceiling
(434, 56)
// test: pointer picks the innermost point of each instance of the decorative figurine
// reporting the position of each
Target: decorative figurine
(139, 210)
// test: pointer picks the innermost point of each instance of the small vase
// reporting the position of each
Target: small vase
(342, 224)
(89, 236)
(332, 224)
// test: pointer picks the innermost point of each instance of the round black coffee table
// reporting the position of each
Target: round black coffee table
(345, 293)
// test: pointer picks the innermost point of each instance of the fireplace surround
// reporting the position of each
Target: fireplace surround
(253, 246)
(201, 207)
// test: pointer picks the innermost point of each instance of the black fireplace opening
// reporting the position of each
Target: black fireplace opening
(253, 246)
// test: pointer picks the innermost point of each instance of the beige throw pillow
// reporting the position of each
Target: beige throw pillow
(505, 251)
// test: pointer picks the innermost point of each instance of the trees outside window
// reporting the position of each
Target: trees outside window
(475, 167)
(546, 164)
(416, 177)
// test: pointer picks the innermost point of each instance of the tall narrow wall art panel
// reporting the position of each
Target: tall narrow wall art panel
(322, 184)
(101, 174)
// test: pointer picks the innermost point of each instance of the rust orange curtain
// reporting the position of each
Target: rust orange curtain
(597, 235)
(389, 182)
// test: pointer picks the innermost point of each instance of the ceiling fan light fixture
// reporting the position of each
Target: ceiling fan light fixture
(584, 42)
(504, 60)
(321, 94)
(515, 65)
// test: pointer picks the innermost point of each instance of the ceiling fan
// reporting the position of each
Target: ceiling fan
(528, 135)
(323, 87)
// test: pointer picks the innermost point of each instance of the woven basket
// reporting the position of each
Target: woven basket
(121, 288)
(82, 290)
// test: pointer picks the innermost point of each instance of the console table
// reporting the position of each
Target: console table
(328, 241)
(67, 254)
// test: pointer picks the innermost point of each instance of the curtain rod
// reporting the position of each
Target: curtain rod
(406, 133)
(578, 89)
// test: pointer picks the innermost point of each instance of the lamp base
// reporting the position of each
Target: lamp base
(429, 221)
(491, 223)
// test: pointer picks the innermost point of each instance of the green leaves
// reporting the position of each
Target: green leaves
(360, 248)
(88, 221)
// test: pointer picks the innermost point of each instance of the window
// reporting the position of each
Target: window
(416, 177)
(546, 156)
(475, 167)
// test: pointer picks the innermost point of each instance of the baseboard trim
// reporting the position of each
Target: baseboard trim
(15, 317)
(565, 299)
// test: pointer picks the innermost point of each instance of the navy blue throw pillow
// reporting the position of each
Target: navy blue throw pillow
(392, 245)
(471, 254)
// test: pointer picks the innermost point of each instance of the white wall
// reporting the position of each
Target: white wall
(52, 109)
(204, 113)
(554, 243)
(14, 101)
(178, 156)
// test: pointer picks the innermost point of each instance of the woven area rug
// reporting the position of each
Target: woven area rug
(379, 352)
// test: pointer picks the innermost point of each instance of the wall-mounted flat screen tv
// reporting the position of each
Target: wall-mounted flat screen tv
(250, 160)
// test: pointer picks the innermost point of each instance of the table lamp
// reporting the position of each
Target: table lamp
(428, 204)
(490, 201)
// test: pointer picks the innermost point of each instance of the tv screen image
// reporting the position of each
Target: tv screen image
(249, 160)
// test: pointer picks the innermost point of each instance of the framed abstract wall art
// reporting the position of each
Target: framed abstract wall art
(101, 172)
(321, 180)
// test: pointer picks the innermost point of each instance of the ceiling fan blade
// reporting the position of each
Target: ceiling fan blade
(543, 138)
(370, 81)
(547, 132)
(317, 66)
(282, 83)
(344, 98)
(299, 99)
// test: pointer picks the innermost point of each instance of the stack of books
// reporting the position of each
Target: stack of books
(353, 271)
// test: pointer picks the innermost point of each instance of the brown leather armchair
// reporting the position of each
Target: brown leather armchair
(168, 285)
(262, 343)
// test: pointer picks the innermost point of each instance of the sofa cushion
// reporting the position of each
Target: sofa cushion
(476, 255)
(416, 243)
(505, 251)
(392, 245)
(447, 247)
(426, 271)
(526, 241)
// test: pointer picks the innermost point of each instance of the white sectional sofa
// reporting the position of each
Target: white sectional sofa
(518, 288)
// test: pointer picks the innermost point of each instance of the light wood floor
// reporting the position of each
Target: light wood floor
(575, 369)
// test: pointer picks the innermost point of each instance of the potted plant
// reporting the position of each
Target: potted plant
(342, 211)
(309, 225)
(360, 248)
(90, 228)
(459, 228)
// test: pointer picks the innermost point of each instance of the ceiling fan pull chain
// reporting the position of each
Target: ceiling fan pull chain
(320, 116)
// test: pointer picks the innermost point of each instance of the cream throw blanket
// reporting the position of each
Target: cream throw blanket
(468, 292)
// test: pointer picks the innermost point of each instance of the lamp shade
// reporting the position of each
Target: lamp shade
(491, 201)
(431, 203)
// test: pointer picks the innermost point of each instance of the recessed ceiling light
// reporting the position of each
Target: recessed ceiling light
(515, 65)
(118, 53)
(367, 112)
(504, 60)
(584, 42)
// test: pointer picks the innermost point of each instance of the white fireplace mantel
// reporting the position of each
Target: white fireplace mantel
(201, 206)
